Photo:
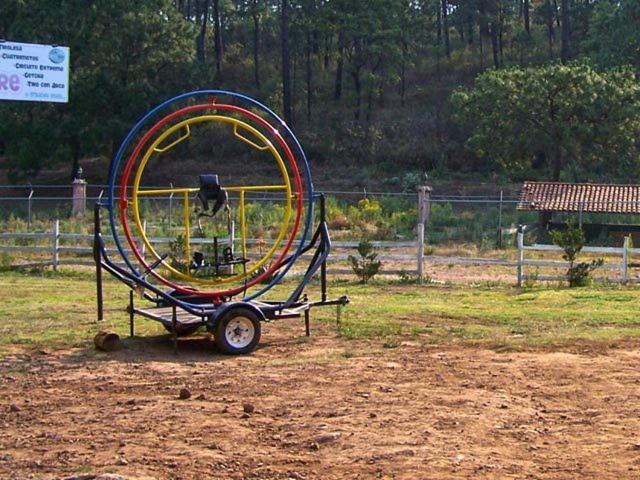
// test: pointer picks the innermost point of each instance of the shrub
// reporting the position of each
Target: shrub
(371, 209)
(367, 265)
(177, 253)
(571, 240)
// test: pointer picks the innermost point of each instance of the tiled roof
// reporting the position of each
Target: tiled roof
(576, 197)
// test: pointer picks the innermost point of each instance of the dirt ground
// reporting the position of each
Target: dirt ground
(323, 408)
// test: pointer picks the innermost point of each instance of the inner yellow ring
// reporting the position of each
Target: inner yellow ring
(288, 196)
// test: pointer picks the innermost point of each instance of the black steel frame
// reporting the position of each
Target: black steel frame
(294, 306)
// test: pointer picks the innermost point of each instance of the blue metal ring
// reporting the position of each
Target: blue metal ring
(113, 171)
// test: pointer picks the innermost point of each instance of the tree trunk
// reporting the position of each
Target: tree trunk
(564, 51)
(198, 17)
(439, 23)
(403, 84)
(551, 34)
(494, 44)
(470, 24)
(202, 36)
(557, 165)
(337, 92)
(483, 25)
(370, 100)
(309, 87)
(294, 82)
(327, 51)
(256, 49)
(445, 29)
(500, 34)
(217, 37)
(286, 63)
(358, 87)
(527, 21)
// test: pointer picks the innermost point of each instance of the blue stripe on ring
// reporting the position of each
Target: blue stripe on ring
(113, 170)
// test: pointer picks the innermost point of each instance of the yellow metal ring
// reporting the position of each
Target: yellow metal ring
(153, 148)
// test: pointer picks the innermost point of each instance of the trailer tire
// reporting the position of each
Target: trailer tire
(237, 331)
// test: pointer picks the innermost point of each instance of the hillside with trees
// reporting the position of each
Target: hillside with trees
(379, 91)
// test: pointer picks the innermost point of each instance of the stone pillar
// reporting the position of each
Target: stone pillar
(79, 195)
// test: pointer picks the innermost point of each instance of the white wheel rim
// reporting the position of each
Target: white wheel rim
(239, 332)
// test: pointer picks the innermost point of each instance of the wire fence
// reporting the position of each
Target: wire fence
(482, 222)
(352, 214)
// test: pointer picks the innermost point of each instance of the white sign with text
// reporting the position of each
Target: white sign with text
(34, 73)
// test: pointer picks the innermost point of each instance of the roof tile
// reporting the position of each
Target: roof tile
(575, 197)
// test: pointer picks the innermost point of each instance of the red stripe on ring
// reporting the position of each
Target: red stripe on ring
(129, 167)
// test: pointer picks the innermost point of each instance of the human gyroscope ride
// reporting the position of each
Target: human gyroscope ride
(210, 204)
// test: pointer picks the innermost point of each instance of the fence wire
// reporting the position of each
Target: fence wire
(488, 221)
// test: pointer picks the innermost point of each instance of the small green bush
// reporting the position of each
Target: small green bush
(367, 265)
(572, 240)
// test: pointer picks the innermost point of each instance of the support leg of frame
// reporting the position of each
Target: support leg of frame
(307, 326)
(174, 334)
(98, 259)
(131, 314)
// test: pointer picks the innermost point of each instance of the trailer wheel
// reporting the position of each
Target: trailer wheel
(237, 331)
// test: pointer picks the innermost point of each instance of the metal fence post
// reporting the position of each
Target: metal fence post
(625, 259)
(55, 238)
(29, 209)
(500, 220)
(170, 207)
(520, 238)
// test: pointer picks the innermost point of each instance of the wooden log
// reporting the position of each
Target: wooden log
(107, 341)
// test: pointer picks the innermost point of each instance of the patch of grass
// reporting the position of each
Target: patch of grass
(58, 310)
(500, 317)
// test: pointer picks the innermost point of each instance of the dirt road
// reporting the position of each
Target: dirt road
(325, 408)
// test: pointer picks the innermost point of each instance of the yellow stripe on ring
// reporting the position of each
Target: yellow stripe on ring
(285, 176)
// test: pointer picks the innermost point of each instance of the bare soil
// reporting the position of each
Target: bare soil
(323, 408)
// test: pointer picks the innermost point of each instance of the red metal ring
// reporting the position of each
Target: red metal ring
(131, 162)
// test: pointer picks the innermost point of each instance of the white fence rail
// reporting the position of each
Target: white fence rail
(56, 249)
(625, 252)
(59, 253)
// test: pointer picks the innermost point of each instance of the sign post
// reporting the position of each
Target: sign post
(34, 73)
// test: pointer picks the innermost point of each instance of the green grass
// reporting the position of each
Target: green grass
(494, 316)
(58, 310)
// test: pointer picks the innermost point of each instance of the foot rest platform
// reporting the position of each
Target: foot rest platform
(165, 315)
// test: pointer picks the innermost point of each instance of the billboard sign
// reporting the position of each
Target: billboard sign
(34, 73)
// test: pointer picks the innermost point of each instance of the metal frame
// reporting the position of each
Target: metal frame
(169, 308)
(184, 306)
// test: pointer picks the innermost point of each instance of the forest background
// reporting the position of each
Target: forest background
(380, 92)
